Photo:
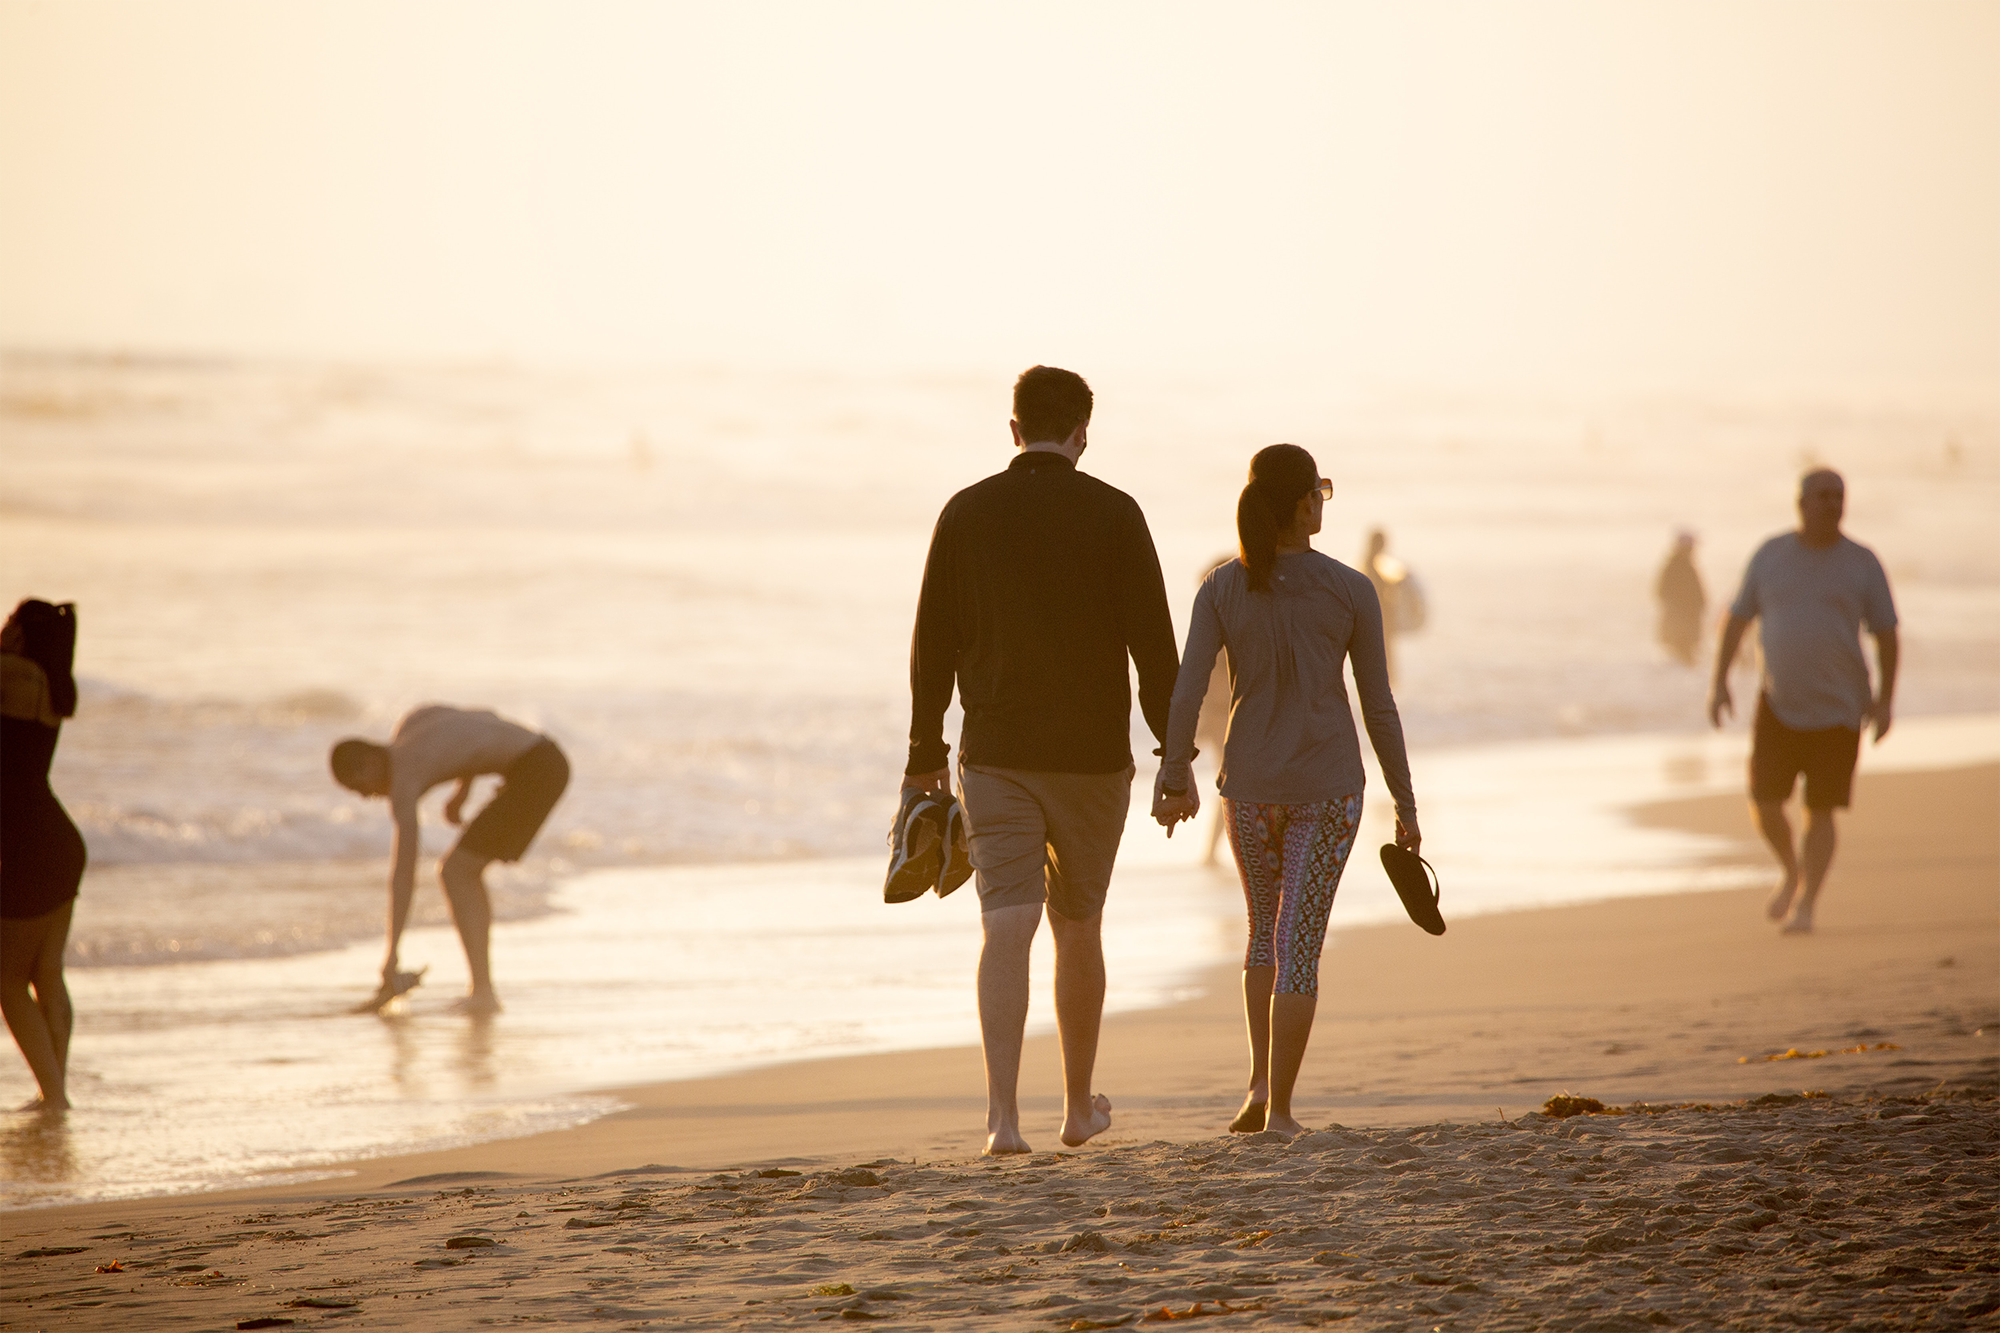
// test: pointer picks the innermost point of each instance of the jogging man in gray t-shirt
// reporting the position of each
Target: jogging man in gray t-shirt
(1814, 589)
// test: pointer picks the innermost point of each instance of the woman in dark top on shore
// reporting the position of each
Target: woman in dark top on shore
(41, 853)
(1291, 762)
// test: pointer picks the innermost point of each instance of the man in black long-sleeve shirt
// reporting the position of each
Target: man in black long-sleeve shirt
(1040, 581)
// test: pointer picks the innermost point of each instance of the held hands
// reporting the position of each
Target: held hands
(938, 781)
(1169, 809)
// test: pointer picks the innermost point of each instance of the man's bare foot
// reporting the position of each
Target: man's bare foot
(42, 1106)
(479, 1002)
(1800, 924)
(1781, 899)
(1249, 1120)
(1079, 1130)
(1002, 1142)
(1283, 1124)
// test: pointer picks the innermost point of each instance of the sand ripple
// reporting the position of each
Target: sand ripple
(1785, 1212)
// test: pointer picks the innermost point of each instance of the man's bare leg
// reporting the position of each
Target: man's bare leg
(464, 876)
(1777, 831)
(1079, 1015)
(1817, 860)
(1257, 984)
(1291, 1029)
(1007, 934)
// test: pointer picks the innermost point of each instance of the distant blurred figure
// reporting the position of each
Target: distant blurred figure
(1401, 596)
(436, 744)
(41, 853)
(1213, 726)
(1682, 600)
(1812, 590)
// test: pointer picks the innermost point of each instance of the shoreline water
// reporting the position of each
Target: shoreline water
(422, 1080)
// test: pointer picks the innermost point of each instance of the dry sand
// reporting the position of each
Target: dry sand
(1451, 1204)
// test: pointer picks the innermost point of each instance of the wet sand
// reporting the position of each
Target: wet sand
(1447, 1200)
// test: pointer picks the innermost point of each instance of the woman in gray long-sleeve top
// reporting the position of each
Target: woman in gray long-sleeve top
(1291, 777)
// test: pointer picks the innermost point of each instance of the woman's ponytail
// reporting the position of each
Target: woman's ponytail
(1280, 476)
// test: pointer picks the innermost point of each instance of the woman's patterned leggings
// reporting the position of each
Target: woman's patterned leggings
(1290, 858)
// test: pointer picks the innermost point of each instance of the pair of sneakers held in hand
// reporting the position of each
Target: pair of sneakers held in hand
(927, 847)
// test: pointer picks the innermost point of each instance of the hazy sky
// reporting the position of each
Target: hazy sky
(1546, 195)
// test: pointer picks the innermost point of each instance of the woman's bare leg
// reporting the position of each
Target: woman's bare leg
(1291, 1029)
(1257, 983)
(51, 993)
(31, 952)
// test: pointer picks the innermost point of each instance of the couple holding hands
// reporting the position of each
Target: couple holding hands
(1040, 581)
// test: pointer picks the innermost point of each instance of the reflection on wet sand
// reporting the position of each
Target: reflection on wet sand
(37, 1150)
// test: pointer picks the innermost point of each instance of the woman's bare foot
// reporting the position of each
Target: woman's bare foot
(1283, 1124)
(479, 1002)
(1079, 1130)
(1002, 1142)
(1249, 1120)
(1781, 901)
(43, 1106)
(1800, 924)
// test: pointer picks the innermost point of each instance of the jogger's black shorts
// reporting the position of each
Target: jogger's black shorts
(1779, 754)
(529, 789)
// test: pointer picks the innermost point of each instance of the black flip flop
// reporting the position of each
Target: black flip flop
(1416, 884)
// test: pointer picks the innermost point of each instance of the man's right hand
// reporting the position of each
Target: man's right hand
(938, 781)
(1720, 705)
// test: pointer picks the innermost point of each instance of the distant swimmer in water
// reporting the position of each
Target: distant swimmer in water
(437, 744)
(1397, 590)
(1682, 601)
(41, 853)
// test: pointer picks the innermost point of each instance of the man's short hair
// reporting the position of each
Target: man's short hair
(1049, 404)
(351, 760)
(1826, 472)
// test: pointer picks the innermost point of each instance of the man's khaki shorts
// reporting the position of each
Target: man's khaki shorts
(1044, 837)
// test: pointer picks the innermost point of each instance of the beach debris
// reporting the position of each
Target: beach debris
(321, 1303)
(1796, 1054)
(856, 1176)
(266, 1321)
(51, 1251)
(775, 1173)
(113, 1267)
(476, 1242)
(1563, 1105)
(1086, 1242)
(584, 1224)
(834, 1289)
(1201, 1310)
(1250, 1240)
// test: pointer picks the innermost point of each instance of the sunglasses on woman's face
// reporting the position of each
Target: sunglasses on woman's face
(1324, 490)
